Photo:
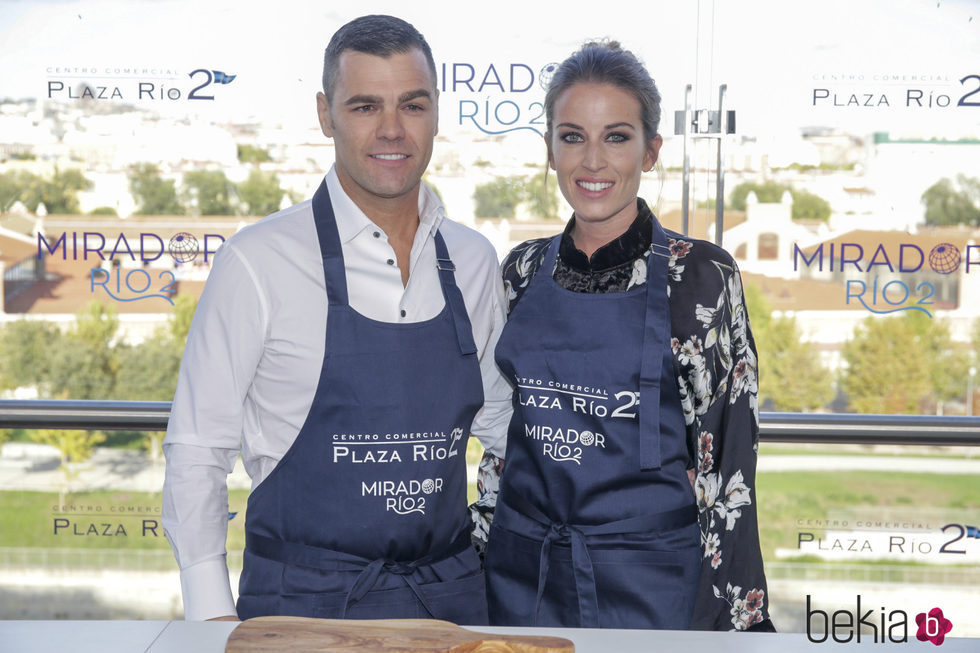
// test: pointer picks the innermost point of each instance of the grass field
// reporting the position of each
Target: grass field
(785, 498)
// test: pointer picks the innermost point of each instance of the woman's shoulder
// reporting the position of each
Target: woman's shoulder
(527, 252)
(694, 258)
(520, 265)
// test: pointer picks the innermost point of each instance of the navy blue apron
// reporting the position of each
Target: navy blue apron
(596, 521)
(365, 516)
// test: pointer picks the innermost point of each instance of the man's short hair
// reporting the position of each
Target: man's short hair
(379, 35)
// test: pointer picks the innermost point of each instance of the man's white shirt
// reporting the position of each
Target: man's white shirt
(256, 346)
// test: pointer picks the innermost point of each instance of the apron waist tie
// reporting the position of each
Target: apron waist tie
(530, 520)
(588, 599)
(295, 553)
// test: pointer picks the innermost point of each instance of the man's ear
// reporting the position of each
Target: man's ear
(323, 114)
(435, 102)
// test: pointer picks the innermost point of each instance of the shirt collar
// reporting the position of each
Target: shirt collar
(351, 220)
(626, 248)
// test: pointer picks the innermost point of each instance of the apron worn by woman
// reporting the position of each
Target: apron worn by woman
(596, 522)
(365, 516)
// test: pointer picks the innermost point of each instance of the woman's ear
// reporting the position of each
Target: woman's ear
(551, 155)
(653, 153)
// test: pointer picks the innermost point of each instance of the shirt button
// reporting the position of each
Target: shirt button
(403, 312)
(391, 261)
(377, 234)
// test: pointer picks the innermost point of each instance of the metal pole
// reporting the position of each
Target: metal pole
(720, 173)
(685, 196)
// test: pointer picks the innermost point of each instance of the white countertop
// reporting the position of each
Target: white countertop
(210, 637)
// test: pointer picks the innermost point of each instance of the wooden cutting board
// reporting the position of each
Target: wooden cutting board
(380, 636)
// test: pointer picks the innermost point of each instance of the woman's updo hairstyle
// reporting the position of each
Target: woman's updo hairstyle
(606, 62)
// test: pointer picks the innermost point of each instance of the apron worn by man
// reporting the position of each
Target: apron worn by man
(596, 522)
(365, 515)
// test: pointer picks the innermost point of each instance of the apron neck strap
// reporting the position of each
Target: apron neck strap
(656, 337)
(453, 297)
(551, 257)
(330, 251)
(335, 278)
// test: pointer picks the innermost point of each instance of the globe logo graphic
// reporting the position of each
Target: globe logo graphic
(944, 258)
(586, 438)
(547, 74)
(428, 486)
(183, 247)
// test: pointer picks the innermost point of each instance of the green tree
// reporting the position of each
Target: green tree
(768, 192)
(261, 193)
(499, 198)
(759, 309)
(972, 407)
(75, 447)
(84, 364)
(148, 371)
(950, 203)
(154, 195)
(790, 374)
(253, 154)
(948, 367)
(541, 199)
(210, 192)
(179, 324)
(11, 189)
(885, 363)
(59, 194)
(26, 354)
(976, 342)
(806, 205)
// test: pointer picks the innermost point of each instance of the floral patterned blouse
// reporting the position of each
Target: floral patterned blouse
(715, 361)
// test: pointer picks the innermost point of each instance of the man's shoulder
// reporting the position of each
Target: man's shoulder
(285, 228)
(465, 241)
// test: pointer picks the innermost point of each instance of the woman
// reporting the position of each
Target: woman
(626, 499)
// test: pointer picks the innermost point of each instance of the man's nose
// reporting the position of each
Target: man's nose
(390, 127)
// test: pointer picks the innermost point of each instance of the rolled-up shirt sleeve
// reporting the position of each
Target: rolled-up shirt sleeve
(204, 433)
(491, 422)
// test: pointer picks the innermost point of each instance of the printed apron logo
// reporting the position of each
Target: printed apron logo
(561, 443)
(402, 497)
(392, 447)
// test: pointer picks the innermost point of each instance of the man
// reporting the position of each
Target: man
(344, 347)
